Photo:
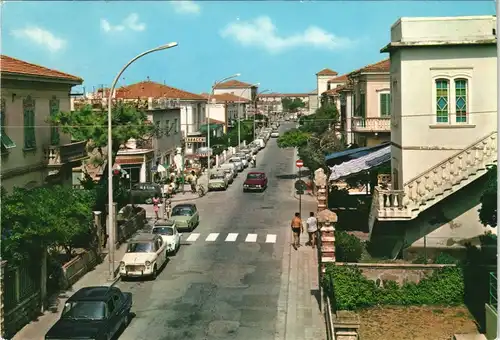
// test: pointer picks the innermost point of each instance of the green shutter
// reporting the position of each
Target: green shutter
(7, 143)
(29, 123)
(385, 104)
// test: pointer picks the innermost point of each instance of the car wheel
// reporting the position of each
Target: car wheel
(155, 273)
(148, 201)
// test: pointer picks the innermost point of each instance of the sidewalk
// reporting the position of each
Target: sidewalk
(36, 330)
(299, 314)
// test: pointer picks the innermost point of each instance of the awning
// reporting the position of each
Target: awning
(354, 153)
(203, 128)
(366, 162)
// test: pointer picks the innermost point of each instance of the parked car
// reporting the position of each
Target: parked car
(231, 167)
(275, 134)
(255, 181)
(254, 147)
(146, 255)
(144, 192)
(93, 313)
(186, 216)
(169, 233)
(243, 157)
(260, 142)
(237, 162)
(248, 152)
(218, 180)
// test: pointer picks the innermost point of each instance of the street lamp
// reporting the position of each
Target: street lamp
(208, 120)
(239, 118)
(110, 156)
(255, 106)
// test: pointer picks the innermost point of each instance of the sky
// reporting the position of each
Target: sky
(279, 44)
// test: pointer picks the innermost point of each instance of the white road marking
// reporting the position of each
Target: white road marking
(231, 237)
(271, 238)
(212, 237)
(193, 237)
(251, 238)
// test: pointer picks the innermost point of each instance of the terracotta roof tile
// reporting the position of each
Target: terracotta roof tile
(226, 97)
(381, 66)
(326, 72)
(233, 84)
(146, 89)
(216, 121)
(9, 65)
(336, 90)
(283, 95)
(339, 79)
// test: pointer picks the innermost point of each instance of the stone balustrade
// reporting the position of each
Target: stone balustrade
(371, 124)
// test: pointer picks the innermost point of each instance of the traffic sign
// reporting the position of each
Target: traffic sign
(299, 163)
(300, 185)
(300, 192)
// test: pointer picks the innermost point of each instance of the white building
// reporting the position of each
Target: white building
(272, 102)
(226, 108)
(239, 89)
(322, 78)
(443, 128)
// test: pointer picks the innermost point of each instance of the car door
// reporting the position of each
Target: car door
(177, 236)
(160, 251)
(196, 215)
(120, 308)
(113, 317)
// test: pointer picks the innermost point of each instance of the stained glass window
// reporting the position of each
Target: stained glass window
(442, 98)
(461, 100)
(54, 131)
(29, 123)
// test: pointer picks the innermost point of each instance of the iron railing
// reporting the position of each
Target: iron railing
(493, 290)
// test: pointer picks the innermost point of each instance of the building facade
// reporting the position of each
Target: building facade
(443, 129)
(239, 89)
(225, 109)
(34, 153)
(322, 78)
(272, 102)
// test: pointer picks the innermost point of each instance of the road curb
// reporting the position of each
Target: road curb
(282, 313)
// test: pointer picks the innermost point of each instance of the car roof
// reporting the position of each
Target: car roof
(95, 293)
(143, 237)
(164, 223)
(256, 173)
(185, 205)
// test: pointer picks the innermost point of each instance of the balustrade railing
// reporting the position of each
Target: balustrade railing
(371, 124)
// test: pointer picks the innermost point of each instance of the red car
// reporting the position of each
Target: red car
(255, 181)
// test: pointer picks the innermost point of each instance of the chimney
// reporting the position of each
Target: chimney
(148, 78)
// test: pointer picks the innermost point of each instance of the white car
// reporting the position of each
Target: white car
(231, 167)
(169, 233)
(275, 134)
(243, 158)
(146, 255)
(237, 162)
(218, 180)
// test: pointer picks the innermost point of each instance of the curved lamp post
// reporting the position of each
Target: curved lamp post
(239, 118)
(255, 105)
(111, 240)
(209, 159)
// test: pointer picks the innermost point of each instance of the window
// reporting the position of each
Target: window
(442, 107)
(176, 126)
(167, 127)
(29, 123)
(360, 110)
(461, 100)
(385, 104)
(7, 143)
(111, 306)
(54, 131)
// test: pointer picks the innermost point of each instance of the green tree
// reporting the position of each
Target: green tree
(92, 126)
(294, 138)
(488, 210)
(37, 219)
(292, 105)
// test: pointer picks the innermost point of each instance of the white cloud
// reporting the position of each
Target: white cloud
(262, 33)
(130, 22)
(41, 37)
(186, 7)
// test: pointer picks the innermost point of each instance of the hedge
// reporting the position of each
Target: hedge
(352, 290)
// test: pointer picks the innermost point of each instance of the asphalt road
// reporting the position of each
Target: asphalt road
(226, 288)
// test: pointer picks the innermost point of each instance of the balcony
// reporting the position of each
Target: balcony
(59, 155)
(379, 124)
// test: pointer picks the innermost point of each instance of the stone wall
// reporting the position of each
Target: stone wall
(399, 272)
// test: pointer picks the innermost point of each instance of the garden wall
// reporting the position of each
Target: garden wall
(80, 265)
(398, 272)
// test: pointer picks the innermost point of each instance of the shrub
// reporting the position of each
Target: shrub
(348, 248)
(353, 291)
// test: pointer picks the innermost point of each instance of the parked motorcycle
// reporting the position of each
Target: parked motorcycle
(201, 190)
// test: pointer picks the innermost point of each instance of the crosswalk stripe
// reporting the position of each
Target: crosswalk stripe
(193, 237)
(271, 238)
(251, 238)
(231, 237)
(212, 237)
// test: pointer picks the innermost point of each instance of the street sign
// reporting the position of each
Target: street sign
(300, 192)
(300, 185)
(299, 163)
(195, 139)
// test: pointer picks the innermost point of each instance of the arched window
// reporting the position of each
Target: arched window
(442, 100)
(461, 100)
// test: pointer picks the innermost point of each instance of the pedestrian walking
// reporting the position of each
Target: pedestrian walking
(168, 209)
(297, 228)
(312, 228)
(156, 205)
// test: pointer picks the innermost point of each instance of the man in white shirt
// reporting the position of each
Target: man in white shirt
(312, 227)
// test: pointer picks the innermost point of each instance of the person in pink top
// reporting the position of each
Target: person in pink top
(156, 205)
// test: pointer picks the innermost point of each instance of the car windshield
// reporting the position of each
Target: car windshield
(93, 310)
(182, 211)
(217, 176)
(163, 230)
(140, 247)
(254, 176)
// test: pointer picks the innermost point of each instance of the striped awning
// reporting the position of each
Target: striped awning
(361, 164)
